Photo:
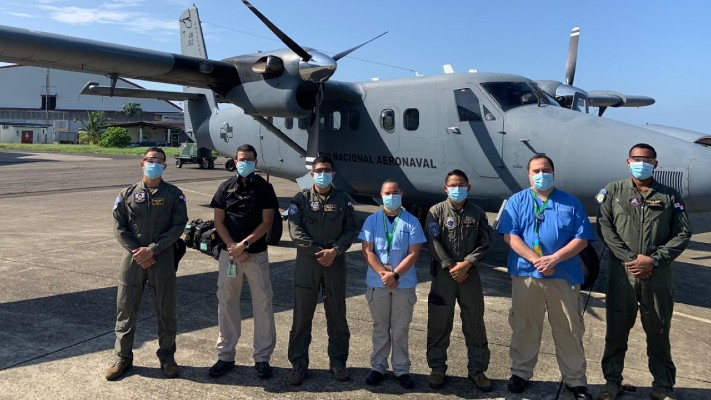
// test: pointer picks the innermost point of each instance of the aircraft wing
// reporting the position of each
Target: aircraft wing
(23, 46)
(94, 89)
(609, 98)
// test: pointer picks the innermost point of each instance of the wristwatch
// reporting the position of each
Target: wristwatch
(396, 275)
(245, 244)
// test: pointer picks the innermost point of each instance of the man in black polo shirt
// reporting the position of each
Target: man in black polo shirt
(244, 207)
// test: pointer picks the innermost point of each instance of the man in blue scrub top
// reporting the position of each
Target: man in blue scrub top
(546, 229)
(392, 241)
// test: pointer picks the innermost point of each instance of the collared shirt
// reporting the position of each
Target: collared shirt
(457, 234)
(243, 205)
(407, 232)
(564, 219)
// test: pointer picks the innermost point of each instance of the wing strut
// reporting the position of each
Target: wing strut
(279, 134)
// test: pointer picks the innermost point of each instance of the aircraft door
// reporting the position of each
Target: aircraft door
(269, 151)
(477, 129)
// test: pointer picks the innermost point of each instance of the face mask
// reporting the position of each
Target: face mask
(457, 194)
(392, 201)
(153, 171)
(543, 181)
(641, 170)
(245, 168)
(323, 180)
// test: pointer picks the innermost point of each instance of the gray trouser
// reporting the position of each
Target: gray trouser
(229, 317)
(444, 291)
(161, 283)
(310, 278)
(391, 310)
(654, 298)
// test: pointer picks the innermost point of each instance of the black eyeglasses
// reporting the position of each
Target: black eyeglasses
(648, 160)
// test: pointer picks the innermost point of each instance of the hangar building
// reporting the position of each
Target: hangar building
(41, 105)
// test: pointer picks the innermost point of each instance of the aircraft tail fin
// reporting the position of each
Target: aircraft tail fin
(192, 43)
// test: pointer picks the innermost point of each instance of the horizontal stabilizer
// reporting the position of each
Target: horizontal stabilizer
(93, 88)
(609, 98)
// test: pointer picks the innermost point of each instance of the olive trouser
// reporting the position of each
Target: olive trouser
(310, 278)
(160, 280)
(444, 292)
(654, 298)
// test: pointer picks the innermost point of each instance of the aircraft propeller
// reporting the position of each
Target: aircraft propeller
(316, 68)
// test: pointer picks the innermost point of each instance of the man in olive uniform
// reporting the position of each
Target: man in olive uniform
(646, 227)
(322, 224)
(458, 238)
(149, 218)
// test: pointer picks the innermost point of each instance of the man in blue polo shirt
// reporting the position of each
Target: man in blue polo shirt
(546, 229)
(392, 241)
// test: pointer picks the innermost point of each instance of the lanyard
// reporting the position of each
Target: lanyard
(390, 234)
(538, 212)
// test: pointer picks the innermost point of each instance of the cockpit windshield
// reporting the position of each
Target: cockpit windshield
(515, 94)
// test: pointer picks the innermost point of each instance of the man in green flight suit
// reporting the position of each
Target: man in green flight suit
(322, 224)
(149, 218)
(646, 227)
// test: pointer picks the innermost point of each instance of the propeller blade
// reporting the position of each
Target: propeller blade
(281, 35)
(572, 56)
(349, 51)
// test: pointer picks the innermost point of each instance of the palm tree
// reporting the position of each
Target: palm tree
(131, 109)
(93, 127)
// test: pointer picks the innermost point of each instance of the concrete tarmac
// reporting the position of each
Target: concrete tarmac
(58, 277)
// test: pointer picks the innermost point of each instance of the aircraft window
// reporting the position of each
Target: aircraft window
(353, 120)
(387, 120)
(467, 105)
(411, 119)
(511, 94)
(322, 122)
(336, 121)
(304, 123)
(288, 123)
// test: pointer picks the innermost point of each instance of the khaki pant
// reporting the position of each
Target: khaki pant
(530, 299)
(391, 310)
(229, 318)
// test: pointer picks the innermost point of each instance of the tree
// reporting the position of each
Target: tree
(115, 137)
(131, 109)
(92, 128)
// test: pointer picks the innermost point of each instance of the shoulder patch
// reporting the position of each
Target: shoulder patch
(450, 223)
(349, 205)
(679, 206)
(117, 202)
(183, 198)
(433, 229)
(600, 196)
(293, 209)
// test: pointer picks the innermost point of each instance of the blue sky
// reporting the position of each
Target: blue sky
(654, 48)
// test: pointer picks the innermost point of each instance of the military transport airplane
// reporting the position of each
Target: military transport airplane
(412, 130)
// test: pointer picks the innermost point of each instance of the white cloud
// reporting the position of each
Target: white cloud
(19, 14)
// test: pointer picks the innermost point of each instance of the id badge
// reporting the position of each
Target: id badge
(231, 268)
(537, 247)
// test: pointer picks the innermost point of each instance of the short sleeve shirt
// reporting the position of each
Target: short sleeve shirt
(564, 219)
(407, 231)
(243, 205)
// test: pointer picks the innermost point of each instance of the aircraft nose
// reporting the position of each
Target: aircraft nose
(700, 181)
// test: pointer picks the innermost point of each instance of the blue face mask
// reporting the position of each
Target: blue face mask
(153, 171)
(641, 170)
(457, 194)
(543, 181)
(245, 168)
(392, 201)
(323, 180)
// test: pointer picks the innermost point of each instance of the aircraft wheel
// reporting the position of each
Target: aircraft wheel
(591, 266)
(273, 235)
(210, 164)
(179, 163)
(205, 164)
(230, 165)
